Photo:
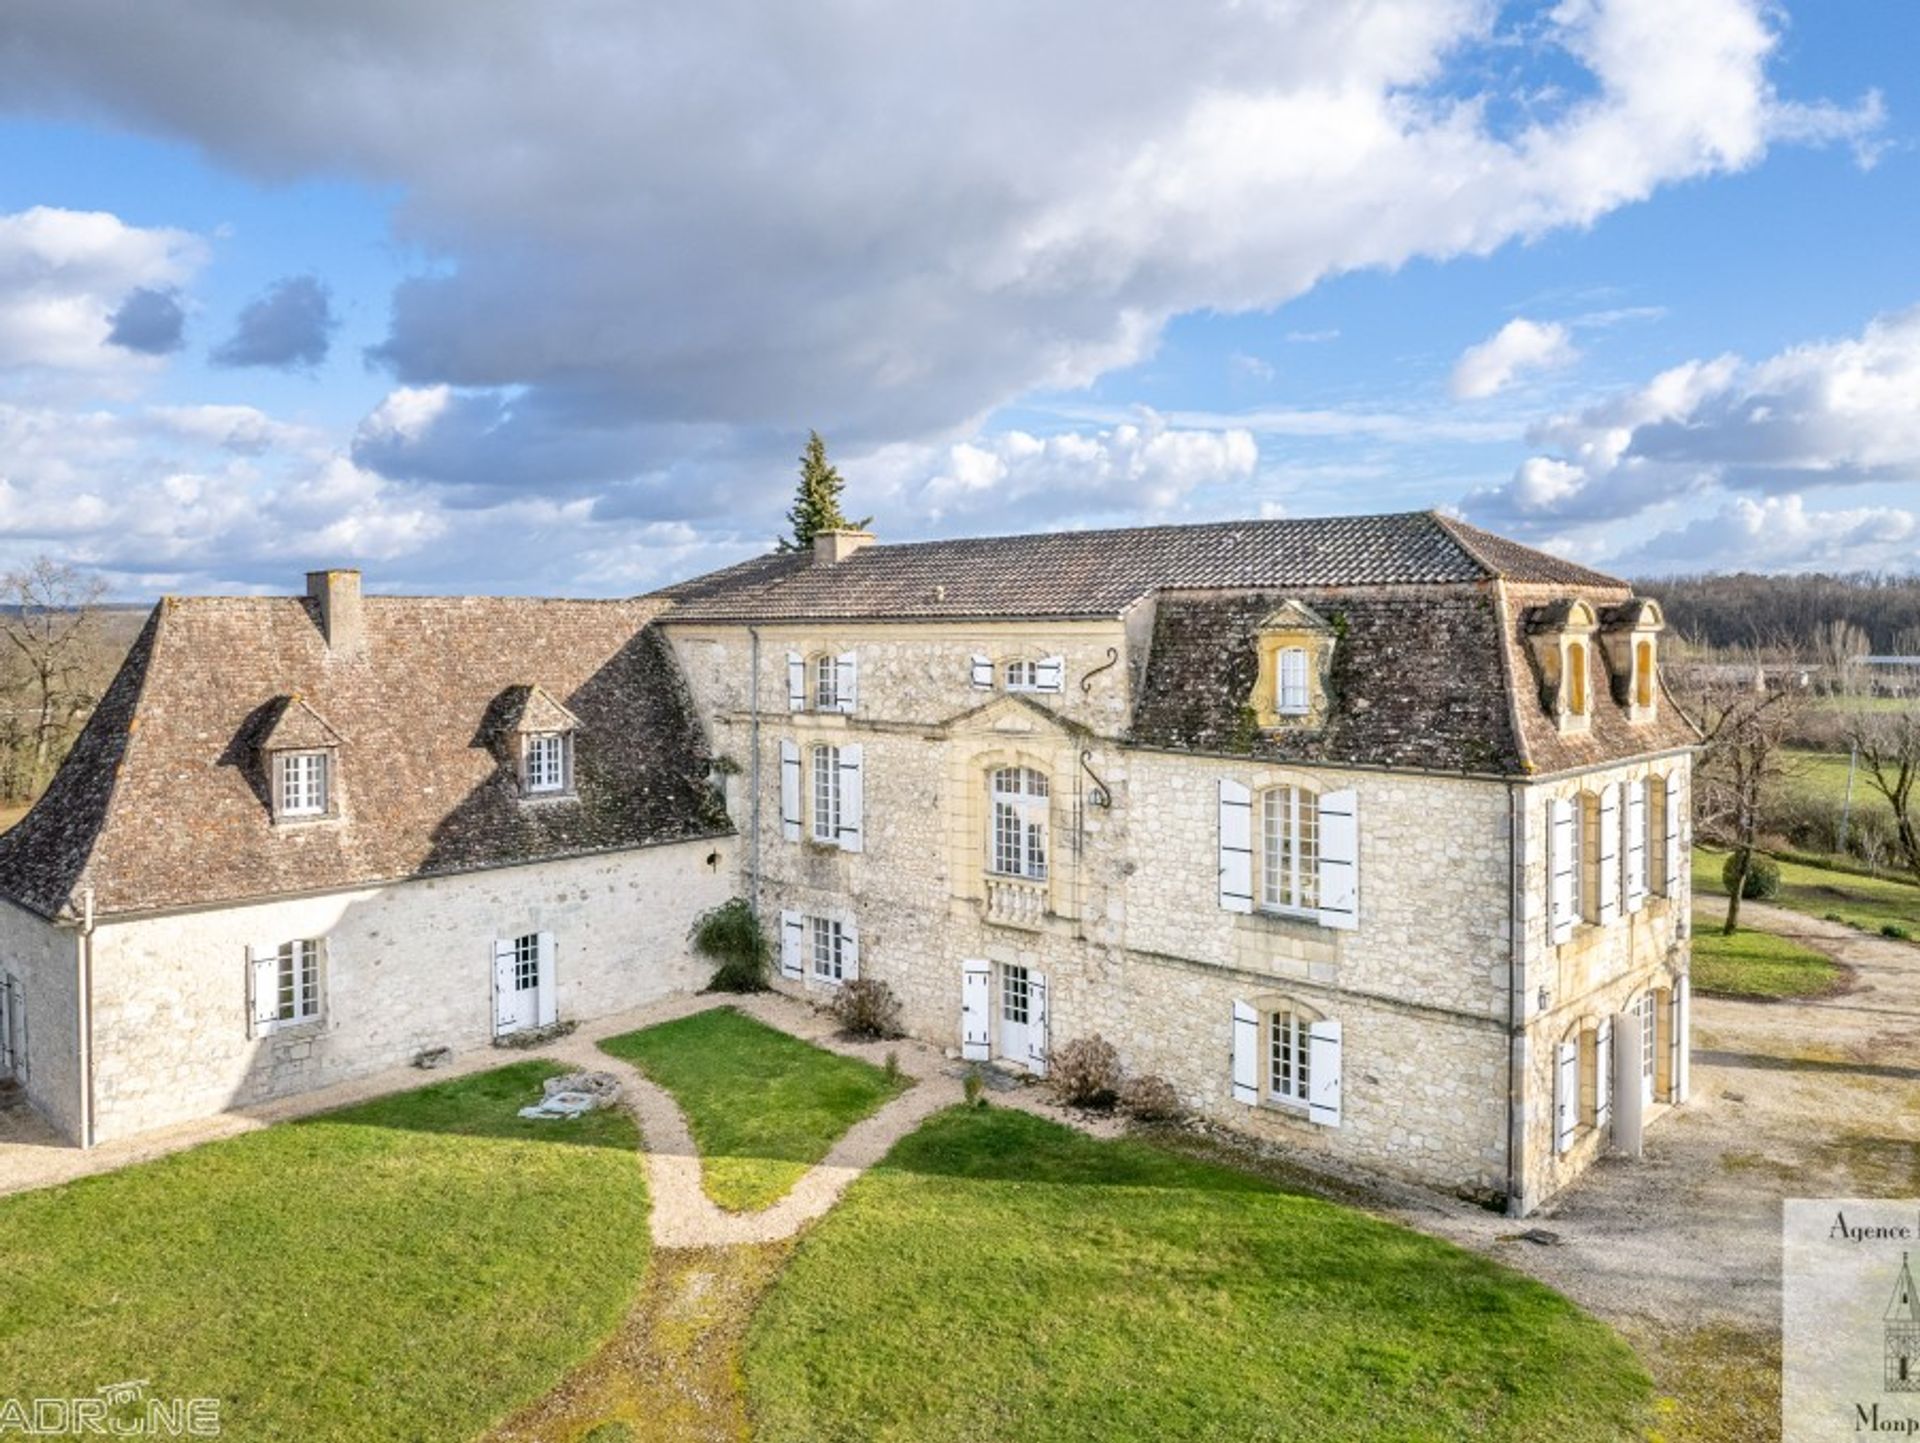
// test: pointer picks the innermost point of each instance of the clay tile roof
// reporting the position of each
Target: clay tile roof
(531, 708)
(164, 800)
(294, 726)
(1103, 573)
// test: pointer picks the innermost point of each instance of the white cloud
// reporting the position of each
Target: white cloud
(1828, 413)
(1137, 468)
(65, 274)
(844, 225)
(1520, 345)
(1779, 533)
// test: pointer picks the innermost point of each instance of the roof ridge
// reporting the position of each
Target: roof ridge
(1158, 528)
(1452, 532)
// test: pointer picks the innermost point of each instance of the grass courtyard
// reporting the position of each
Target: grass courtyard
(1869, 903)
(1757, 964)
(411, 1268)
(1000, 1276)
(763, 1106)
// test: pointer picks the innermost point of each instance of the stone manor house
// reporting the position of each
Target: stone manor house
(1369, 834)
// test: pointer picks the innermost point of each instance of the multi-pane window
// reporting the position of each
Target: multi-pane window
(826, 683)
(303, 784)
(1290, 849)
(526, 962)
(296, 983)
(1019, 847)
(547, 762)
(1016, 996)
(1287, 1064)
(1582, 840)
(1648, 1051)
(1293, 682)
(1022, 676)
(829, 949)
(826, 794)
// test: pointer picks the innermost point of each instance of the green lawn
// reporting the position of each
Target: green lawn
(1001, 1277)
(412, 1268)
(1757, 964)
(764, 1107)
(1866, 902)
(1824, 774)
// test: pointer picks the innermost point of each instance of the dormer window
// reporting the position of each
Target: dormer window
(1296, 653)
(1562, 635)
(299, 758)
(303, 784)
(548, 765)
(1631, 634)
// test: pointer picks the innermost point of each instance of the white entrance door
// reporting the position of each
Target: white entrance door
(523, 991)
(1023, 1018)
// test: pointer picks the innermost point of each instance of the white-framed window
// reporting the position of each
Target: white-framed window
(1294, 697)
(826, 794)
(1649, 1009)
(1586, 856)
(546, 764)
(826, 683)
(829, 949)
(1016, 995)
(303, 784)
(1289, 850)
(1019, 840)
(285, 984)
(1048, 673)
(1289, 1059)
(526, 962)
(1021, 676)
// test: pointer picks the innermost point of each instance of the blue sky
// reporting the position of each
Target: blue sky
(483, 298)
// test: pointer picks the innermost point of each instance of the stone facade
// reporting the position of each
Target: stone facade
(1131, 937)
(405, 968)
(44, 962)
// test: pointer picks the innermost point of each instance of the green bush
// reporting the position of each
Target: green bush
(1763, 876)
(730, 935)
(1896, 931)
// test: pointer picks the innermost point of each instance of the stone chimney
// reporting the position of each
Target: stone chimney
(342, 622)
(830, 548)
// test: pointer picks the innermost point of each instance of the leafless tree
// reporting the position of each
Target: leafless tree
(1746, 724)
(50, 617)
(1889, 748)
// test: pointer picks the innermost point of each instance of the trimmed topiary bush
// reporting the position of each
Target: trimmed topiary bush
(1763, 876)
(730, 935)
(867, 1008)
(1086, 1072)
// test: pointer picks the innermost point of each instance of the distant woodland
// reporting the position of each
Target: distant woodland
(1793, 615)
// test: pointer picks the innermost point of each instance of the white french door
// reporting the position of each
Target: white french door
(1021, 1033)
(523, 983)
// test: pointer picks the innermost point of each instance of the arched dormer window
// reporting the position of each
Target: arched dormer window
(1561, 635)
(1576, 690)
(1631, 635)
(1296, 651)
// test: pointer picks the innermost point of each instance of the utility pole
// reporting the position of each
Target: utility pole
(1846, 806)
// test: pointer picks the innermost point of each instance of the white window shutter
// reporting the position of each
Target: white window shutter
(1636, 817)
(796, 682)
(1323, 1074)
(1561, 860)
(1036, 1024)
(853, 793)
(1682, 1044)
(263, 987)
(1246, 1054)
(1607, 859)
(976, 1022)
(1566, 1095)
(982, 669)
(549, 1002)
(790, 789)
(1603, 1073)
(1050, 674)
(849, 951)
(502, 980)
(1236, 846)
(1670, 817)
(792, 937)
(1340, 860)
(846, 682)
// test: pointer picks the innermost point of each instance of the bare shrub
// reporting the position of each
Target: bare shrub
(1150, 1098)
(867, 1008)
(1086, 1072)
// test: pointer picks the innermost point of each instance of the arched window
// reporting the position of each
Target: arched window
(1577, 678)
(1289, 849)
(1643, 673)
(1018, 843)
